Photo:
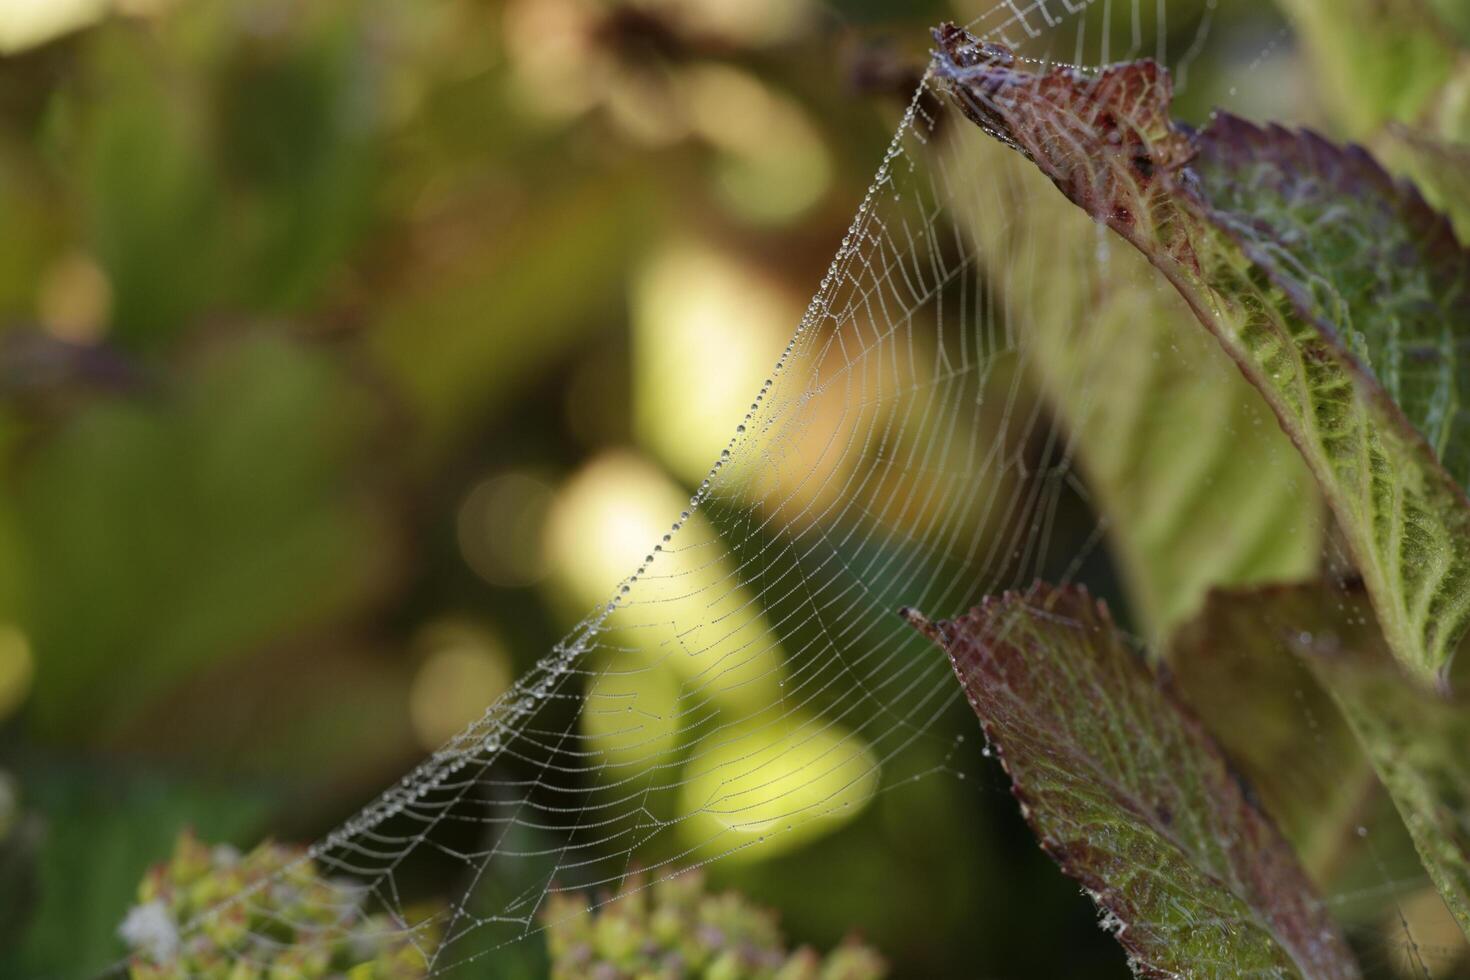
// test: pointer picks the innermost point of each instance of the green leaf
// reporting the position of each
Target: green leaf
(101, 832)
(1455, 14)
(1395, 74)
(1235, 668)
(1434, 149)
(1197, 484)
(151, 203)
(1129, 794)
(1263, 669)
(1415, 739)
(1375, 60)
(1439, 167)
(199, 525)
(301, 170)
(1336, 291)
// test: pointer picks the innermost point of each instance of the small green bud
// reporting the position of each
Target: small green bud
(291, 924)
(673, 930)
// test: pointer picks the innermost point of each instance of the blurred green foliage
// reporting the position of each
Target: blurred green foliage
(281, 284)
(237, 523)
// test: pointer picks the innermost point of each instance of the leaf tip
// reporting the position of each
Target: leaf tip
(960, 49)
(920, 622)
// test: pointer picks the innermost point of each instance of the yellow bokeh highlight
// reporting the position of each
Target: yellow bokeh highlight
(567, 57)
(74, 299)
(30, 23)
(17, 669)
(774, 164)
(707, 329)
(631, 711)
(687, 648)
(465, 669)
(749, 22)
(768, 787)
(688, 611)
(500, 525)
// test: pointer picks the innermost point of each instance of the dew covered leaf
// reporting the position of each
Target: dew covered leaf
(1199, 487)
(1338, 292)
(1130, 795)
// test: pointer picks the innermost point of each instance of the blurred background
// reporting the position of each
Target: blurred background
(346, 350)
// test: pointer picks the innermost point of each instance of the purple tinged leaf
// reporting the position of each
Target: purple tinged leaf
(1130, 795)
(1340, 294)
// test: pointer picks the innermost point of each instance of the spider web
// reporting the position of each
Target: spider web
(749, 687)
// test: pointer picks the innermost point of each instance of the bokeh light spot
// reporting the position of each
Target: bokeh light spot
(465, 668)
(706, 329)
(17, 668)
(500, 525)
(74, 299)
(771, 786)
(29, 23)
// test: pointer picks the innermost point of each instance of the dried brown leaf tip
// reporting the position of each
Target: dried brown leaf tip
(1061, 118)
(921, 623)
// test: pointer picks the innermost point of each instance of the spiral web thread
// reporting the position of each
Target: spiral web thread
(898, 455)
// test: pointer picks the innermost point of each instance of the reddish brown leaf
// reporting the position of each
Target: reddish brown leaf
(1341, 295)
(1128, 793)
